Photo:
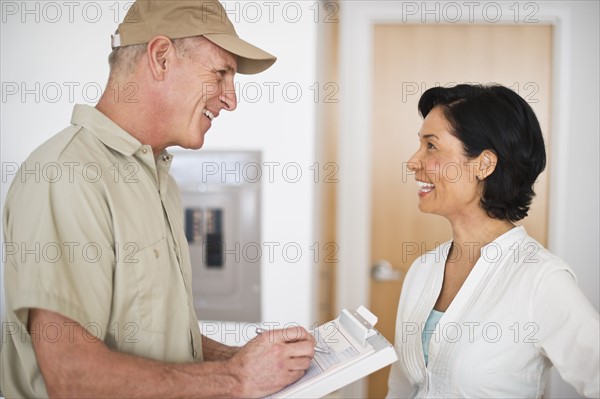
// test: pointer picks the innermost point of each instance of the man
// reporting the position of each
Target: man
(98, 297)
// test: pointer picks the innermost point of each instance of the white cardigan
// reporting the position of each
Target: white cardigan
(518, 313)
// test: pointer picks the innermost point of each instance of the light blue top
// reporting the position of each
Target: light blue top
(428, 331)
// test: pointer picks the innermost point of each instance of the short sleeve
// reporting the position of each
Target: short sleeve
(568, 331)
(62, 256)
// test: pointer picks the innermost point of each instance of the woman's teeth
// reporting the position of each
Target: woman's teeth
(425, 187)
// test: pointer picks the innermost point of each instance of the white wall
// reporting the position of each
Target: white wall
(576, 227)
(58, 52)
(580, 247)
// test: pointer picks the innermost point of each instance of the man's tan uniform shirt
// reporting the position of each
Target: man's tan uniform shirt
(93, 230)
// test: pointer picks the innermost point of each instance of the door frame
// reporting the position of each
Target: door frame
(353, 211)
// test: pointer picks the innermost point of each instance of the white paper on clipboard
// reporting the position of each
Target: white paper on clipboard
(356, 349)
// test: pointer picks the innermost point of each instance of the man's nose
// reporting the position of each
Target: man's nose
(228, 97)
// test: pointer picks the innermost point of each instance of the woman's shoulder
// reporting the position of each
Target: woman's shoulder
(531, 258)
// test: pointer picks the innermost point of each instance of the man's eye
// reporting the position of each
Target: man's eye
(430, 146)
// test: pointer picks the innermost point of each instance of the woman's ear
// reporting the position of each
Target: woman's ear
(159, 50)
(487, 164)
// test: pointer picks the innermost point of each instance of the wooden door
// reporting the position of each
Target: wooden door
(408, 59)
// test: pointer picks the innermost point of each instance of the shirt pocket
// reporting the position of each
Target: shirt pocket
(153, 274)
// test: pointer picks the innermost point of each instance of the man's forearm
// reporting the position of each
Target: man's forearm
(129, 376)
(85, 369)
(214, 351)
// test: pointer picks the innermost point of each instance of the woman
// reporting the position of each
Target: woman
(489, 312)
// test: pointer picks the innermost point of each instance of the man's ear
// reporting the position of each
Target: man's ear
(159, 50)
(487, 164)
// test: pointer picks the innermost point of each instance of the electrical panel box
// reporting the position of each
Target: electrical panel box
(220, 194)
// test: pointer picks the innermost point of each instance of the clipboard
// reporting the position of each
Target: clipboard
(356, 349)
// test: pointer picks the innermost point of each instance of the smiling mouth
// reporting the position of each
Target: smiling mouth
(425, 187)
(208, 114)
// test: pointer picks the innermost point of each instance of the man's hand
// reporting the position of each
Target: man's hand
(272, 361)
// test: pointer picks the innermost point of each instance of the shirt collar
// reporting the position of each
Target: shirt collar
(105, 129)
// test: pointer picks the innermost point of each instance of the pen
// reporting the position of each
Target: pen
(317, 348)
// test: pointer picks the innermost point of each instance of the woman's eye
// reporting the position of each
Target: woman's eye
(430, 146)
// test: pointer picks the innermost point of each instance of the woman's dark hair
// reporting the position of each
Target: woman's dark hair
(495, 118)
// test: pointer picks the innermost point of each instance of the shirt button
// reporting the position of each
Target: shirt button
(145, 150)
(156, 253)
(166, 158)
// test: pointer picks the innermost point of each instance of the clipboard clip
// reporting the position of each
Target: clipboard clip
(359, 322)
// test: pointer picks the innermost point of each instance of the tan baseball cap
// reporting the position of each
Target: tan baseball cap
(176, 19)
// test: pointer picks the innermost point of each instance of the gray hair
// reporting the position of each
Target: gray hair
(123, 60)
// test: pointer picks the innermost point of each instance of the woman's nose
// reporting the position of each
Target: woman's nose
(414, 162)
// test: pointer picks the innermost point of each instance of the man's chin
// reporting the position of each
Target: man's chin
(197, 145)
(194, 146)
